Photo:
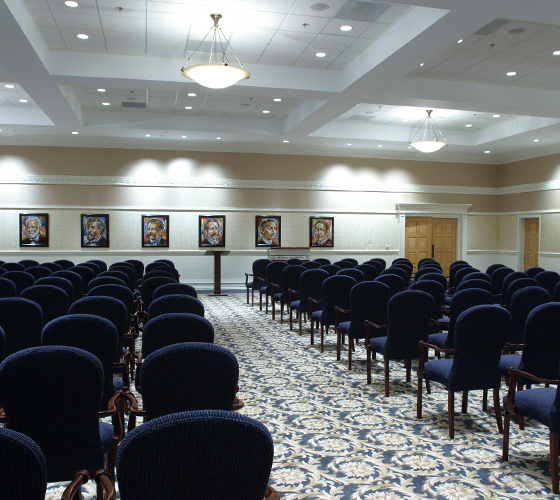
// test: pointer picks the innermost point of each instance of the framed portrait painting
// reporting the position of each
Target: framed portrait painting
(33, 230)
(95, 230)
(211, 230)
(267, 230)
(155, 230)
(321, 231)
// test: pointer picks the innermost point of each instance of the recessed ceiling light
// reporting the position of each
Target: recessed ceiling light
(379, 146)
(184, 136)
(460, 41)
(320, 54)
(349, 144)
(23, 100)
(277, 99)
(266, 111)
(511, 73)
(556, 53)
(421, 64)
(486, 152)
(70, 3)
(346, 27)
(9, 86)
(285, 141)
(535, 140)
(218, 138)
(495, 116)
(405, 120)
(106, 103)
(82, 36)
(191, 94)
(147, 135)
(409, 147)
(75, 133)
(100, 90)
(516, 31)
(188, 107)
(318, 7)
(468, 125)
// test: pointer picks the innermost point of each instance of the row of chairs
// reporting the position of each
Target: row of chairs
(162, 364)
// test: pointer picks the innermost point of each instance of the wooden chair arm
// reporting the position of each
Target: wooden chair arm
(513, 374)
(344, 311)
(520, 373)
(375, 325)
(516, 347)
(261, 281)
(3, 418)
(293, 291)
(271, 493)
(314, 301)
(247, 278)
(105, 486)
(73, 490)
(427, 345)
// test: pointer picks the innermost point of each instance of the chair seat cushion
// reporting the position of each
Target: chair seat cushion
(295, 304)
(507, 360)
(438, 339)
(438, 370)
(118, 383)
(535, 403)
(316, 315)
(277, 296)
(377, 344)
(106, 434)
(344, 327)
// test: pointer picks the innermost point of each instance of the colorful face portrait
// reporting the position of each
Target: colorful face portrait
(212, 232)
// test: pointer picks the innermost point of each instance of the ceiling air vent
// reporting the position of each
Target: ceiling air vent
(355, 10)
(360, 117)
(491, 27)
(137, 105)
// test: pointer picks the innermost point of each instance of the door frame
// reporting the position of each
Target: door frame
(438, 210)
(521, 238)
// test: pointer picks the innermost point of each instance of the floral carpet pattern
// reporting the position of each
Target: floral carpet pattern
(337, 438)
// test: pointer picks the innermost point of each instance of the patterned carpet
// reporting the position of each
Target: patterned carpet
(338, 438)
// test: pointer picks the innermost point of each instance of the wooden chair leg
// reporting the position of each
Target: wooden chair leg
(312, 330)
(350, 349)
(323, 337)
(386, 377)
(273, 304)
(407, 366)
(368, 365)
(451, 413)
(252, 297)
(281, 313)
(484, 400)
(291, 320)
(505, 440)
(498, 409)
(338, 343)
(554, 450)
(419, 396)
(521, 422)
(465, 402)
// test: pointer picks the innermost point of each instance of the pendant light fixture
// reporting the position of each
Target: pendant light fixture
(217, 73)
(430, 141)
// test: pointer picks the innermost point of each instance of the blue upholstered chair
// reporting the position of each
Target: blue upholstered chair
(498, 277)
(38, 271)
(395, 282)
(408, 318)
(477, 276)
(58, 265)
(74, 278)
(439, 277)
(310, 286)
(148, 287)
(26, 263)
(507, 280)
(69, 382)
(473, 283)
(106, 280)
(335, 292)
(101, 264)
(175, 303)
(541, 404)
(398, 271)
(522, 303)
(332, 269)
(368, 301)
(122, 275)
(352, 261)
(533, 271)
(370, 271)
(294, 262)
(52, 299)
(427, 270)
(92, 265)
(7, 288)
(290, 281)
(353, 273)
(22, 322)
(492, 267)
(85, 273)
(404, 267)
(322, 261)
(174, 289)
(516, 285)
(311, 264)
(63, 283)
(343, 264)
(159, 271)
(272, 283)
(187, 376)
(437, 291)
(380, 261)
(478, 338)
(138, 267)
(220, 454)
(258, 271)
(21, 279)
(126, 269)
(13, 266)
(548, 280)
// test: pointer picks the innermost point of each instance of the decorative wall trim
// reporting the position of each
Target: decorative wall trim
(489, 252)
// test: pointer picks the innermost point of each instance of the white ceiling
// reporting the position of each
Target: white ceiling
(366, 97)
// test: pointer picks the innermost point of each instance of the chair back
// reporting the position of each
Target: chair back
(38, 271)
(336, 292)
(343, 264)
(138, 267)
(332, 269)
(381, 261)
(91, 333)
(368, 301)
(22, 322)
(119, 292)
(175, 328)
(453, 270)
(13, 266)
(294, 262)
(311, 264)
(492, 267)
(159, 271)
(311, 286)
(498, 277)
(408, 314)
(2, 345)
(290, 281)
(259, 271)
(64, 264)
(120, 274)
(353, 273)
(274, 274)
(174, 289)
(91, 265)
(101, 264)
(26, 263)
(533, 271)
(322, 261)
(398, 271)
(426, 260)
(437, 292)
(126, 269)
(405, 267)
(548, 280)
(221, 454)
(27, 476)
(7, 288)
(149, 285)
(523, 301)
(508, 279)
(477, 276)
(461, 273)
(53, 300)
(156, 265)
(473, 283)
(67, 381)
(169, 262)
(393, 281)
(370, 271)
(516, 285)
(480, 334)
(63, 283)
(74, 278)
(106, 280)
(426, 270)
(188, 376)
(21, 279)
(86, 274)
(439, 277)
(175, 303)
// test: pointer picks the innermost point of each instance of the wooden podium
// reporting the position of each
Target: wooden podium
(217, 271)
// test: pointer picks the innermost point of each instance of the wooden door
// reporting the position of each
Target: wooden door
(531, 250)
(429, 237)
